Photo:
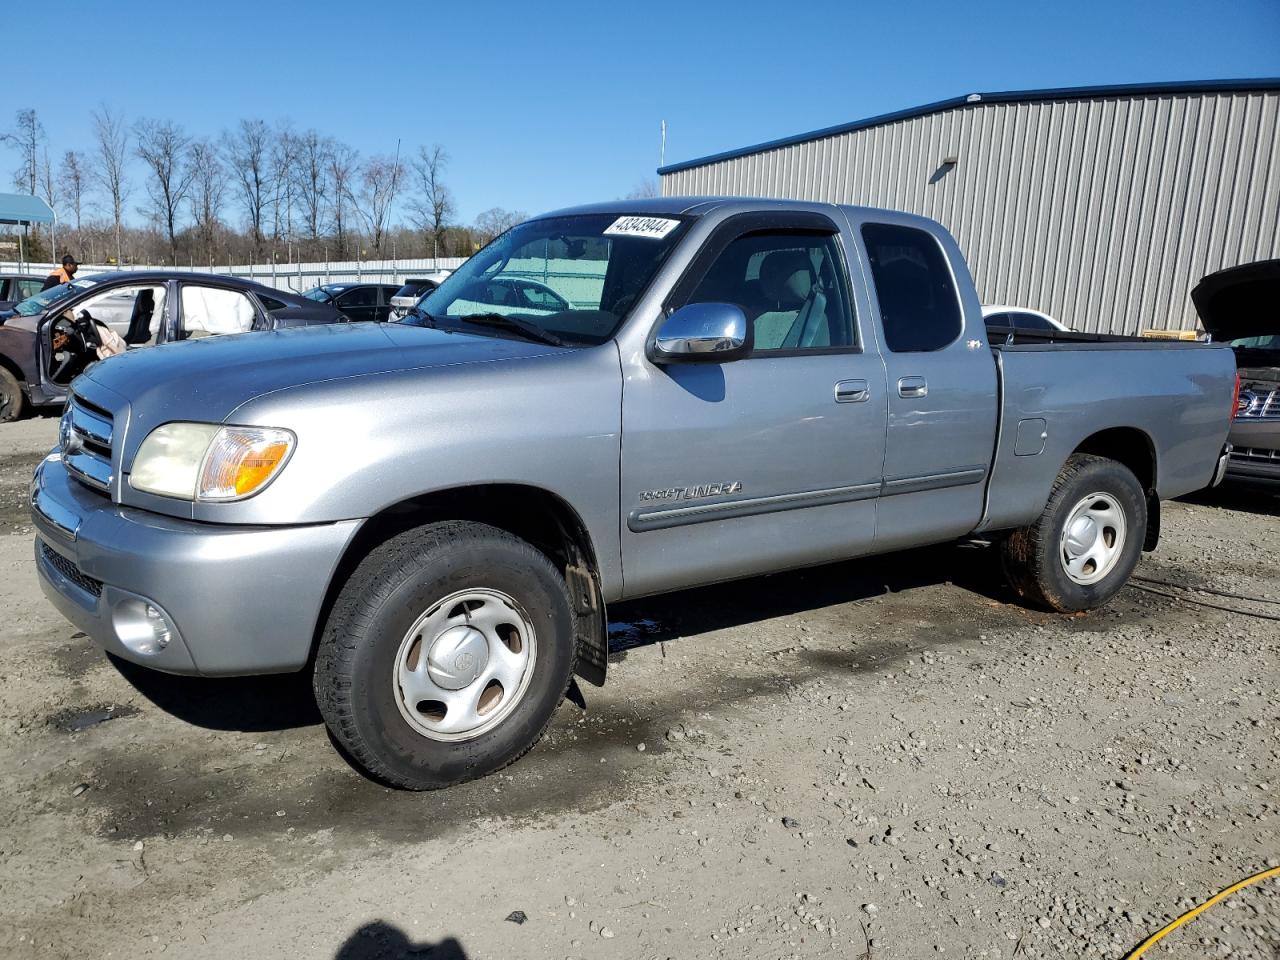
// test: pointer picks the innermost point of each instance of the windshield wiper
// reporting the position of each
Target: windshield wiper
(416, 312)
(530, 330)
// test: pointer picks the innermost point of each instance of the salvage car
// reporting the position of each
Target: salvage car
(413, 290)
(17, 286)
(1241, 306)
(50, 338)
(359, 301)
(1000, 315)
(433, 515)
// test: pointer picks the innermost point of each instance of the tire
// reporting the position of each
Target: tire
(13, 401)
(402, 673)
(1086, 543)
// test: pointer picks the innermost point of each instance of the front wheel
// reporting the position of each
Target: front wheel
(445, 655)
(12, 399)
(1086, 543)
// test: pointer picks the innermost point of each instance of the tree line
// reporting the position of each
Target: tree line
(255, 193)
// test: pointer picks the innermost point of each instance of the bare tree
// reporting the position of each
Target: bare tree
(644, 189)
(311, 175)
(496, 220)
(208, 185)
(379, 181)
(48, 181)
(284, 156)
(73, 181)
(112, 141)
(26, 137)
(162, 146)
(247, 153)
(433, 205)
(342, 161)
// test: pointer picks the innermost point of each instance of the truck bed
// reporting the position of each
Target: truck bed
(1174, 396)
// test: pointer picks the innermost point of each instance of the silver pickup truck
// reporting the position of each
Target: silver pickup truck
(606, 402)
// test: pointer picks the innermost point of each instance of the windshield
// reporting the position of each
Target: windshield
(1267, 344)
(319, 293)
(33, 305)
(574, 277)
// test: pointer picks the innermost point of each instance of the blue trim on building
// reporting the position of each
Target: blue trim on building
(1009, 96)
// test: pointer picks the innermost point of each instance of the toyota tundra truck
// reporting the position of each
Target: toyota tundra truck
(431, 516)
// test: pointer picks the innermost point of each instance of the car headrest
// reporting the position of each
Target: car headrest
(786, 276)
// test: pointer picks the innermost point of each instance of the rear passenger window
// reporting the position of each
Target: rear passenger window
(359, 297)
(919, 308)
(272, 304)
(790, 286)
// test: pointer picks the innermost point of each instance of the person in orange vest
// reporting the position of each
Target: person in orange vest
(63, 274)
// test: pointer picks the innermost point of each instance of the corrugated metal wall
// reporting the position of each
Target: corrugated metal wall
(1102, 212)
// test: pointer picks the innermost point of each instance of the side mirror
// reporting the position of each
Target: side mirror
(703, 333)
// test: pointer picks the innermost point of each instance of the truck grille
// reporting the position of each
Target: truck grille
(1259, 401)
(84, 439)
(1255, 455)
(71, 571)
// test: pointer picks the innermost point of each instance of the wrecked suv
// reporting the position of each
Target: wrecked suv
(432, 515)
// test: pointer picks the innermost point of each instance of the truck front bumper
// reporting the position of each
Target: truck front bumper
(176, 595)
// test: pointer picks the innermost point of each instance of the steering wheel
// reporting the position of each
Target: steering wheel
(87, 329)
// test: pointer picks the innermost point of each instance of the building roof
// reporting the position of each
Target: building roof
(22, 208)
(1008, 96)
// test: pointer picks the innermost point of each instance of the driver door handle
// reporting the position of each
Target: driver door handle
(913, 388)
(851, 391)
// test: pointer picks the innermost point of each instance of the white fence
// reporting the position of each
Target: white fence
(297, 277)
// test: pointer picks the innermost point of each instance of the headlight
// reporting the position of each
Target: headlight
(203, 461)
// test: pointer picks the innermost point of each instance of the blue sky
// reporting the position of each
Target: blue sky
(548, 104)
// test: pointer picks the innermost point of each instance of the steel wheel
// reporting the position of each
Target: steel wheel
(1093, 538)
(464, 665)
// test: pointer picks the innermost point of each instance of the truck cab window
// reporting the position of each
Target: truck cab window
(919, 308)
(789, 284)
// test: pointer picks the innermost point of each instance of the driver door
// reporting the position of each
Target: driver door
(768, 462)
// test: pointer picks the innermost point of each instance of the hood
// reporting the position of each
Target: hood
(1241, 301)
(206, 379)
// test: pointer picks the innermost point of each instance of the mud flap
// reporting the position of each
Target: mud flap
(592, 630)
(1152, 538)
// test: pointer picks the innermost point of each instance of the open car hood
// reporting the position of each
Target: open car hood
(1241, 301)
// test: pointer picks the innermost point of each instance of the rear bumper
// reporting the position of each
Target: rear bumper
(1256, 451)
(239, 600)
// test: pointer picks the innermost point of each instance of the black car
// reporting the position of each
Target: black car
(15, 287)
(48, 339)
(359, 301)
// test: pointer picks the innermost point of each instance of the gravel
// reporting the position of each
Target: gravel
(954, 774)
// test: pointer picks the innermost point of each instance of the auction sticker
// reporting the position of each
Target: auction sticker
(653, 227)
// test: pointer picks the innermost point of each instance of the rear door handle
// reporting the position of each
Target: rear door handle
(851, 391)
(912, 388)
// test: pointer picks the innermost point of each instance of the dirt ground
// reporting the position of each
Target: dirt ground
(886, 758)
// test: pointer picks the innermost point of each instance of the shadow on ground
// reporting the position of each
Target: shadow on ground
(1247, 497)
(383, 941)
(247, 704)
(285, 702)
(974, 567)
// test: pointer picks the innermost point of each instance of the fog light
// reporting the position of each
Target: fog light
(142, 627)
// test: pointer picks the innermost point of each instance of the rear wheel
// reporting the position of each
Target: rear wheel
(446, 654)
(1086, 543)
(13, 401)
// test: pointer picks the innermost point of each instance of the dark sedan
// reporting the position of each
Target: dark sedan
(359, 301)
(15, 287)
(48, 339)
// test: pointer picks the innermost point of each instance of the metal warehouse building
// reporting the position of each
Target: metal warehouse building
(1100, 205)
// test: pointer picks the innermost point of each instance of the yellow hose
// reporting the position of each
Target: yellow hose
(1194, 912)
